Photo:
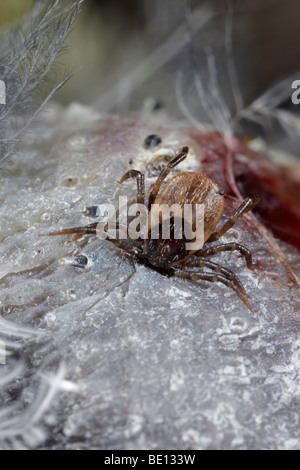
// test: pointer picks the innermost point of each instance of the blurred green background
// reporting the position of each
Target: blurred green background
(13, 9)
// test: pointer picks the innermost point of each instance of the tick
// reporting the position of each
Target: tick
(170, 256)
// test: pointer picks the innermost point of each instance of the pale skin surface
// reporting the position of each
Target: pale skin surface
(186, 188)
(156, 348)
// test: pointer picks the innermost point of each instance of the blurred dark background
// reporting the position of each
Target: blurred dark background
(125, 51)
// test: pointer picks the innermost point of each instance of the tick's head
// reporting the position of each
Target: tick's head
(163, 252)
(166, 253)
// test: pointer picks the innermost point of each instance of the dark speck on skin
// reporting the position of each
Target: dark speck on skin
(91, 211)
(158, 105)
(152, 140)
(80, 261)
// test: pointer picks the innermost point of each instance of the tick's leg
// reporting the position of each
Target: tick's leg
(140, 179)
(227, 247)
(92, 229)
(79, 231)
(215, 277)
(246, 206)
(164, 173)
(132, 250)
(218, 269)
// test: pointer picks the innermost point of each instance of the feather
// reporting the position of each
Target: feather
(27, 56)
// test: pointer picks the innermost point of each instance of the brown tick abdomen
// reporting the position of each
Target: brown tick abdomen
(194, 188)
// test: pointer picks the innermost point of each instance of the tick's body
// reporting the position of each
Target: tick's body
(170, 256)
(194, 188)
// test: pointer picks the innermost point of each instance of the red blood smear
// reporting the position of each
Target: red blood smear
(251, 173)
(274, 212)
